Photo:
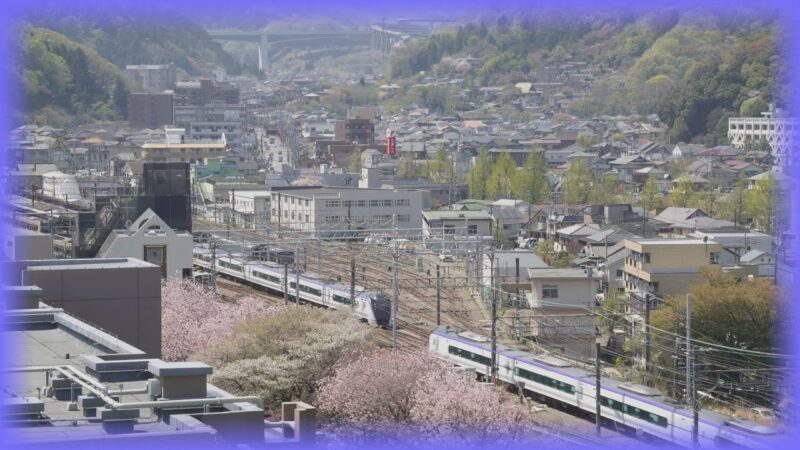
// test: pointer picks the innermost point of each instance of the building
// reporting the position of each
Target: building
(736, 244)
(445, 222)
(204, 92)
(510, 269)
(250, 208)
(359, 131)
(74, 385)
(773, 130)
(151, 239)
(333, 211)
(121, 295)
(153, 78)
(166, 190)
(177, 148)
(676, 221)
(21, 244)
(210, 122)
(146, 110)
(667, 266)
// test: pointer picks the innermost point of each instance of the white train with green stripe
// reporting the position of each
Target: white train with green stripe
(370, 306)
(631, 407)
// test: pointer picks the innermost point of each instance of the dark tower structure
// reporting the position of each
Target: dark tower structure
(167, 191)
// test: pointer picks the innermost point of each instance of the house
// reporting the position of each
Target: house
(765, 262)
(569, 239)
(678, 221)
(150, 239)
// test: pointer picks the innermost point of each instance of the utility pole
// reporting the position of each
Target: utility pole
(493, 297)
(516, 298)
(597, 403)
(438, 298)
(285, 282)
(395, 296)
(352, 278)
(691, 387)
(646, 338)
(296, 277)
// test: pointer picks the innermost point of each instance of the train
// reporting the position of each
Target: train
(370, 306)
(635, 408)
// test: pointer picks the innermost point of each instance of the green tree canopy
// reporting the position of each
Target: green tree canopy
(578, 182)
(501, 179)
(479, 174)
(530, 182)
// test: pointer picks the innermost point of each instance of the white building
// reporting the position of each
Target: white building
(332, 211)
(562, 288)
(149, 238)
(250, 208)
(773, 129)
(209, 122)
(21, 244)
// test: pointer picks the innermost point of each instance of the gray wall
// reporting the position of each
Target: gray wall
(124, 301)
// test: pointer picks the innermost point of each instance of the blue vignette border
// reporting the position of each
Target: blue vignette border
(10, 95)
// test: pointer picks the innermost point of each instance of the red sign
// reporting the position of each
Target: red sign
(390, 146)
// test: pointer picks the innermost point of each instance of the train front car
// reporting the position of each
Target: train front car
(381, 306)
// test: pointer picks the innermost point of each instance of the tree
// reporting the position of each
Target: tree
(416, 396)
(193, 318)
(479, 174)
(407, 168)
(650, 198)
(355, 162)
(759, 203)
(530, 183)
(578, 182)
(500, 181)
(120, 98)
(440, 169)
(282, 357)
(683, 193)
(752, 107)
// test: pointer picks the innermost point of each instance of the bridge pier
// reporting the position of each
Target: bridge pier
(263, 53)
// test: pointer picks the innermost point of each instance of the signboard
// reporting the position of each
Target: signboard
(391, 144)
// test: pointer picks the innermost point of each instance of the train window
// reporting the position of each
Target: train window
(341, 299)
(461, 353)
(634, 411)
(547, 381)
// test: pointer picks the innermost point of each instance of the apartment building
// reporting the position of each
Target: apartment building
(324, 211)
(153, 78)
(148, 110)
(176, 147)
(667, 266)
(210, 122)
(359, 131)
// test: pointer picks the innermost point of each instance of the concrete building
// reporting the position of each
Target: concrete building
(359, 131)
(21, 244)
(505, 266)
(250, 208)
(210, 122)
(773, 130)
(736, 244)
(121, 295)
(667, 266)
(177, 148)
(72, 385)
(444, 222)
(146, 110)
(204, 92)
(153, 78)
(151, 239)
(326, 211)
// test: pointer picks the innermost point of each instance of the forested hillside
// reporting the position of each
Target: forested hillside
(66, 83)
(695, 69)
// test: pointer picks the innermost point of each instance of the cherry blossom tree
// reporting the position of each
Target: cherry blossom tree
(413, 398)
(194, 318)
(282, 357)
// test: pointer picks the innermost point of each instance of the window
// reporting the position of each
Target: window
(342, 299)
(472, 230)
(306, 202)
(403, 218)
(331, 203)
(647, 258)
(267, 277)
(374, 203)
(619, 272)
(466, 354)
(402, 202)
(361, 203)
(633, 411)
(331, 219)
(549, 291)
(306, 218)
(547, 381)
(387, 203)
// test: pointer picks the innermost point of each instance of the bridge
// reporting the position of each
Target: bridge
(379, 36)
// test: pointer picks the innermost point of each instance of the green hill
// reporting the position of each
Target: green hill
(65, 82)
